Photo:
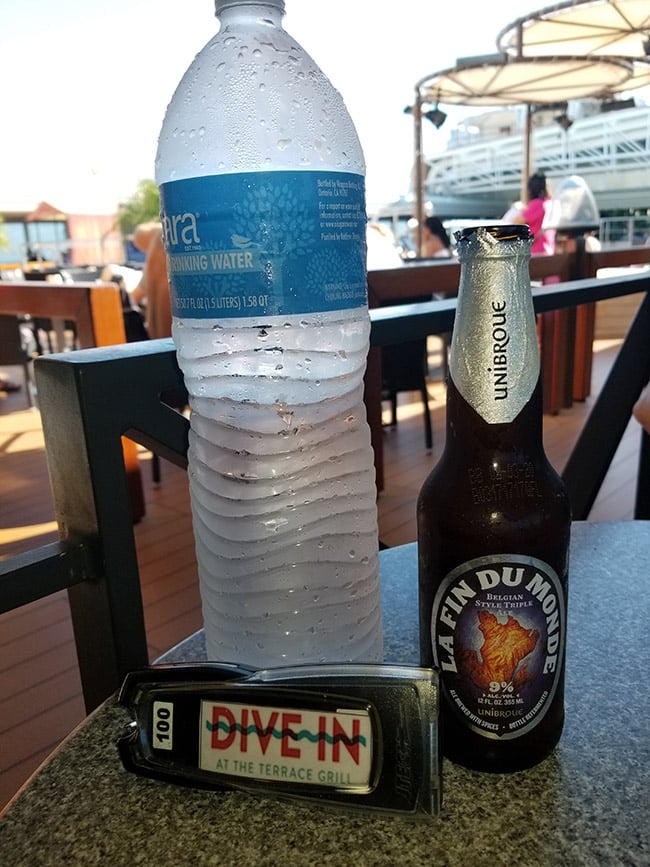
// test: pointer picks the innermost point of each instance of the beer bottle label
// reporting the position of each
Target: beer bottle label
(498, 633)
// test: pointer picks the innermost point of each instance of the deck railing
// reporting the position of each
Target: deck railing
(602, 148)
(91, 398)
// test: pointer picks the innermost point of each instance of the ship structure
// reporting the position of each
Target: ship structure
(478, 175)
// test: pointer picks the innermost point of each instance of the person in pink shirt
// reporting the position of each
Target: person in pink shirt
(534, 212)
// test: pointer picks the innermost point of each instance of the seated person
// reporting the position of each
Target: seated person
(435, 240)
(536, 209)
(153, 288)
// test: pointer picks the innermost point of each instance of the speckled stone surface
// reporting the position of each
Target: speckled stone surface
(588, 804)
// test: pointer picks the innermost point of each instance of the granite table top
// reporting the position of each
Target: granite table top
(587, 804)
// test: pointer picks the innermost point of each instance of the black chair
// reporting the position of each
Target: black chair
(41, 326)
(13, 351)
(404, 368)
(89, 399)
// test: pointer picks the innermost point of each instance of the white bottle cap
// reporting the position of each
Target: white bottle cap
(220, 5)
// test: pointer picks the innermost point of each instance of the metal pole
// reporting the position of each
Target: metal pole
(419, 173)
(528, 146)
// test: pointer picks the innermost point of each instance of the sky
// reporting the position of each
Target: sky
(85, 84)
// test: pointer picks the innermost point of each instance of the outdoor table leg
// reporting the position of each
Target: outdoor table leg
(584, 350)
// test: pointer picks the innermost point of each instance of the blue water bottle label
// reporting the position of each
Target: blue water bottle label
(265, 243)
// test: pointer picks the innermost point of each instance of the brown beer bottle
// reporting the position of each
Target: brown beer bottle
(493, 525)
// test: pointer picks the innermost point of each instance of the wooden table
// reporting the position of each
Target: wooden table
(588, 803)
(96, 310)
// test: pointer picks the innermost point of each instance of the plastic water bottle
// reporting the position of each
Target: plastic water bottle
(261, 177)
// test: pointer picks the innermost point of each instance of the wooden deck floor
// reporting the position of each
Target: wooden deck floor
(40, 693)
